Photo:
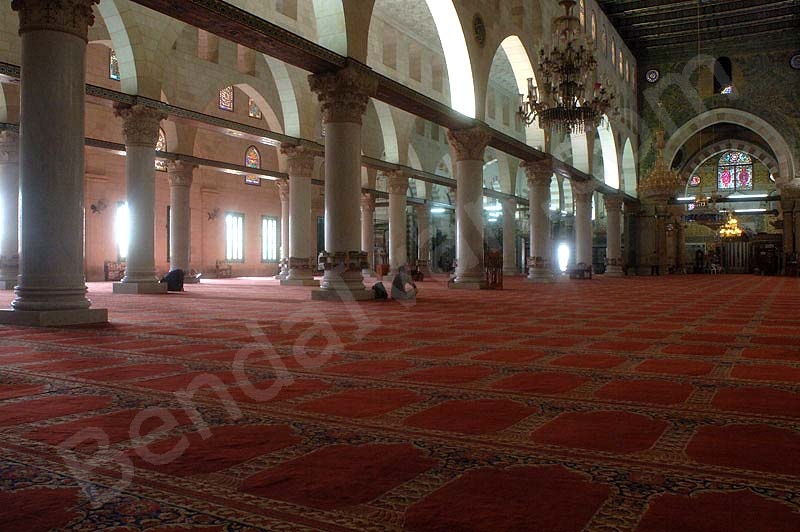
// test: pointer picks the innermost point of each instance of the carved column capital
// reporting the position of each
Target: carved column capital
(68, 16)
(367, 201)
(9, 147)
(539, 173)
(613, 202)
(180, 174)
(140, 124)
(583, 189)
(283, 190)
(299, 160)
(398, 182)
(343, 95)
(468, 144)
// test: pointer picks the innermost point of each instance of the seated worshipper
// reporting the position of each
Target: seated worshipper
(399, 285)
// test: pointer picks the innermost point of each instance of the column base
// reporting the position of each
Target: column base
(469, 285)
(614, 271)
(140, 288)
(53, 318)
(537, 275)
(299, 282)
(342, 295)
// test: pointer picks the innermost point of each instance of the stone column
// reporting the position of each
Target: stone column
(283, 194)
(368, 231)
(787, 208)
(140, 129)
(424, 237)
(343, 98)
(300, 163)
(509, 237)
(468, 146)
(180, 176)
(613, 235)
(583, 220)
(398, 188)
(539, 174)
(52, 285)
(9, 199)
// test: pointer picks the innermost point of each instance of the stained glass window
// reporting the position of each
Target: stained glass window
(161, 145)
(253, 110)
(735, 171)
(252, 159)
(113, 65)
(694, 181)
(226, 99)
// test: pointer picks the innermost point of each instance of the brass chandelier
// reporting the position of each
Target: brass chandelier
(565, 104)
(731, 229)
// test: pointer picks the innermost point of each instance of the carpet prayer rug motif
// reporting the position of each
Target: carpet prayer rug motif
(240, 405)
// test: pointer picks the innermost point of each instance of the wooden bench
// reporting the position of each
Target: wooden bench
(222, 270)
(114, 271)
(580, 271)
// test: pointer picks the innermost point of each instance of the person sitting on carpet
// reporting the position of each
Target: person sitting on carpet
(399, 285)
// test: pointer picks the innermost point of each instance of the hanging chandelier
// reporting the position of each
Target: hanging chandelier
(731, 229)
(564, 103)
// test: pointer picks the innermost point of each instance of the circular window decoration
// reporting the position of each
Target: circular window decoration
(652, 75)
(794, 62)
(694, 181)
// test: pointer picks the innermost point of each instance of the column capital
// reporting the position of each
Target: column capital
(468, 144)
(283, 190)
(68, 16)
(583, 188)
(139, 124)
(613, 202)
(367, 201)
(398, 182)
(180, 173)
(343, 95)
(423, 208)
(538, 172)
(299, 159)
(9, 147)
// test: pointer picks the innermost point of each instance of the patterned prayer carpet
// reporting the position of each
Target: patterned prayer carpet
(645, 404)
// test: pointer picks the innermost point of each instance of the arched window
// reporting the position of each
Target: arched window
(594, 29)
(253, 111)
(161, 145)
(735, 171)
(723, 76)
(113, 66)
(620, 64)
(582, 13)
(605, 41)
(226, 98)
(252, 159)
(613, 52)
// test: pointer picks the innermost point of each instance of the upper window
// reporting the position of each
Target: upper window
(226, 98)
(252, 159)
(605, 41)
(113, 65)
(735, 171)
(582, 12)
(253, 111)
(613, 52)
(594, 29)
(161, 145)
(723, 76)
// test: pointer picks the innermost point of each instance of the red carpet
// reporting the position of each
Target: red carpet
(613, 404)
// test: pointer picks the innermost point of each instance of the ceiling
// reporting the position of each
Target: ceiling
(649, 25)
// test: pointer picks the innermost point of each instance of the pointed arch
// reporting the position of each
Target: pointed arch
(388, 131)
(628, 168)
(523, 70)
(608, 145)
(287, 95)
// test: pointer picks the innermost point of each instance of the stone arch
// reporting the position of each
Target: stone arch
(288, 97)
(628, 168)
(388, 131)
(727, 145)
(580, 152)
(771, 136)
(608, 145)
(331, 26)
(121, 43)
(272, 119)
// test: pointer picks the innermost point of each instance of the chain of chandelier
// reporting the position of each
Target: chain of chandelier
(564, 103)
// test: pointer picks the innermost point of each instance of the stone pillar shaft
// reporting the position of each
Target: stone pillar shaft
(52, 286)
(343, 98)
(9, 196)
(181, 176)
(509, 237)
(583, 221)
(539, 175)
(468, 146)
(140, 129)
(300, 163)
(424, 238)
(368, 231)
(613, 236)
(398, 188)
(283, 254)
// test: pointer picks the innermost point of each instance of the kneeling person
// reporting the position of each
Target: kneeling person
(399, 285)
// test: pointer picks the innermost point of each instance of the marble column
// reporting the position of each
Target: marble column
(283, 194)
(140, 129)
(300, 165)
(343, 98)
(368, 231)
(398, 188)
(180, 175)
(787, 208)
(583, 191)
(613, 235)
(510, 237)
(9, 203)
(424, 237)
(51, 287)
(539, 174)
(468, 146)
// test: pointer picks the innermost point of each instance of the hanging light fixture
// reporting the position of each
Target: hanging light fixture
(564, 103)
(731, 229)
